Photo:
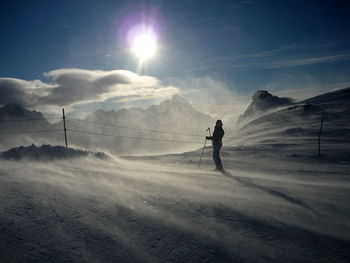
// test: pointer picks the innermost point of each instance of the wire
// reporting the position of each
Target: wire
(139, 129)
(134, 128)
(127, 127)
(148, 130)
(135, 138)
(34, 131)
(51, 118)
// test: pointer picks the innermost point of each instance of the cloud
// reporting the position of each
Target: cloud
(67, 87)
(96, 85)
(283, 57)
(294, 62)
(249, 60)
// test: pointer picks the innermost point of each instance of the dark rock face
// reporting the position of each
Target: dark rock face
(261, 94)
(263, 100)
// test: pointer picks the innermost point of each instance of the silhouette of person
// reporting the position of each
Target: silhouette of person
(217, 144)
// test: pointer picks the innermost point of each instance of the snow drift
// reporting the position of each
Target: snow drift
(165, 209)
(46, 153)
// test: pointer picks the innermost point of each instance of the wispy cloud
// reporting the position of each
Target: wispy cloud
(284, 57)
(269, 53)
(294, 62)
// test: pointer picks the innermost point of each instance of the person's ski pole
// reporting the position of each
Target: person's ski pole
(199, 164)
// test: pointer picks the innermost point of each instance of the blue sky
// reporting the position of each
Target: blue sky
(290, 47)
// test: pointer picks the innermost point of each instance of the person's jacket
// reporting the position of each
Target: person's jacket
(217, 136)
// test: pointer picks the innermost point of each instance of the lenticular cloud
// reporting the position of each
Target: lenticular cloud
(74, 86)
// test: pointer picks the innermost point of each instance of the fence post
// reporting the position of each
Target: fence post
(319, 137)
(64, 128)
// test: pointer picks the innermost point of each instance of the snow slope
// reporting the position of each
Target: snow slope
(268, 208)
(301, 122)
(278, 201)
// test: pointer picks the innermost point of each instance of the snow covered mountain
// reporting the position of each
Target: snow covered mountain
(263, 102)
(16, 111)
(16, 123)
(174, 114)
(15, 116)
(302, 120)
(170, 126)
(155, 126)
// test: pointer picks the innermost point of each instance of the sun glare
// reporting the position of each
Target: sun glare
(144, 46)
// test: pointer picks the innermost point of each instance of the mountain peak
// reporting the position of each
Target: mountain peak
(176, 103)
(13, 107)
(261, 94)
(262, 101)
(177, 99)
(16, 111)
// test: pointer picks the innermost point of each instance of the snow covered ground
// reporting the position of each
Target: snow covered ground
(271, 206)
(278, 201)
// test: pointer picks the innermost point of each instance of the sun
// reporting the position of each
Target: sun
(144, 45)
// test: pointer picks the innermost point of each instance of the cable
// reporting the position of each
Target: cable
(126, 127)
(134, 128)
(147, 130)
(52, 118)
(135, 138)
(17, 132)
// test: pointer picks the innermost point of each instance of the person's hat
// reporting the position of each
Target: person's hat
(219, 123)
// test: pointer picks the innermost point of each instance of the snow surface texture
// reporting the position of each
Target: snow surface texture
(46, 153)
(278, 201)
(267, 208)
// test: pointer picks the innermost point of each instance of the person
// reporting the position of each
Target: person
(218, 134)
